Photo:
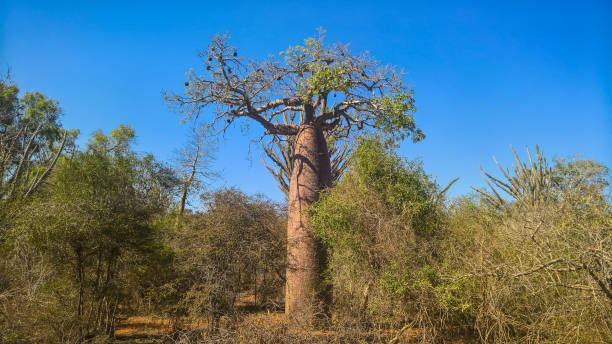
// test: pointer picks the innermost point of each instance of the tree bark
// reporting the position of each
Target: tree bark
(306, 256)
(183, 199)
(194, 170)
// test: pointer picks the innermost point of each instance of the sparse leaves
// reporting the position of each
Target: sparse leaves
(366, 94)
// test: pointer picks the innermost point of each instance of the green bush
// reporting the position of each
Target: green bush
(384, 222)
(80, 248)
(530, 266)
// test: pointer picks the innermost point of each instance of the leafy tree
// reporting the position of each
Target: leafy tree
(92, 228)
(333, 91)
(581, 177)
(31, 140)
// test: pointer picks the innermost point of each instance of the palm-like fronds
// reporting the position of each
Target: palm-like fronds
(281, 154)
(529, 184)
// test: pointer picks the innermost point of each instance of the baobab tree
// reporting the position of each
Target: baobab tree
(333, 91)
(280, 153)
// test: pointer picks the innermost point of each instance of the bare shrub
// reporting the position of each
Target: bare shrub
(235, 247)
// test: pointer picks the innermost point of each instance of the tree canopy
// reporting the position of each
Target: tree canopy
(31, 139)
(325, 84)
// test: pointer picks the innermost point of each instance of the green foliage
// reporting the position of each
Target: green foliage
(342, 92)
(91, 235)
(533, 267)
(402, 185)
(39, 109)
(31, 140)
(383, 223)
(319, 74)
(396, 120)
(9, 102)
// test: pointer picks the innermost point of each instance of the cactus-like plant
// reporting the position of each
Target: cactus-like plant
(530, 184)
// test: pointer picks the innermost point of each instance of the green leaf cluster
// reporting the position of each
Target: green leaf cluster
(382, 224)
(397, 120)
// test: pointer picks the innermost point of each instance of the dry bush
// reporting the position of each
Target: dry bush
(535, 265)
(235, 247)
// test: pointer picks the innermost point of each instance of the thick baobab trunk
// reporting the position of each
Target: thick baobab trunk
(306, 257)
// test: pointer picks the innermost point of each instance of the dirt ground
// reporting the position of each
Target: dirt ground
(143, 326)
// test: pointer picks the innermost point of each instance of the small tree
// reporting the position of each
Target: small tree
(31, 140)
(91, 227)
(333, 91)
(194, 162)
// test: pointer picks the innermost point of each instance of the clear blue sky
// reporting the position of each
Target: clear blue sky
(486, 74)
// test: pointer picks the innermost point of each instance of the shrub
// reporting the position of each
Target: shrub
(236, 246)
(383, 223)
(534, 259)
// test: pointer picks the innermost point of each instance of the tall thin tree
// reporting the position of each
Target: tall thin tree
(194, 165)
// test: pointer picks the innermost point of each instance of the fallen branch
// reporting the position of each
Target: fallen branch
(399, 334)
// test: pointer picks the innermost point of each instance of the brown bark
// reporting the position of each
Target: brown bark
(183, 199)
(306, 257)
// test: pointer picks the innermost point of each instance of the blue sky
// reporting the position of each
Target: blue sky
(486, 74)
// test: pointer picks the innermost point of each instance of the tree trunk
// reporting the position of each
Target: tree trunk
(183, 199)
(306, 257)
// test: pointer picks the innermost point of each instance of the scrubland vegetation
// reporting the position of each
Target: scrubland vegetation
(91, 236)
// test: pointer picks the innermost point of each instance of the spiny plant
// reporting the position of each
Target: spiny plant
(530, 184)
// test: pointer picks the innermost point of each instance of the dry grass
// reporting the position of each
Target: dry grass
(143, 325)
(261, 326)
(149, 325)
(270, 327)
